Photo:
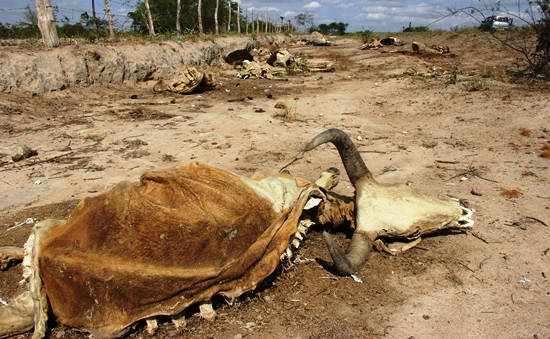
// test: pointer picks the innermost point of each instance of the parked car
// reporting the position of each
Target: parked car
(495, 22)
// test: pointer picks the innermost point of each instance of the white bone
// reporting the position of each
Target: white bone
(152, 325)
(207, 311)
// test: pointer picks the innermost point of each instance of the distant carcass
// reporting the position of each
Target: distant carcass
(237, 57)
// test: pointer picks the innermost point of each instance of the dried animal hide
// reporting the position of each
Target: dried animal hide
(180, 237)
(196, 81)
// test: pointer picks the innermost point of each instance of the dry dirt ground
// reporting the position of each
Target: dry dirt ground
(490, 148)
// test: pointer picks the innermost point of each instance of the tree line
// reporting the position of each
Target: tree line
(160, 17)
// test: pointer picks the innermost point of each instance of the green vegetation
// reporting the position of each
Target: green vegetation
(334, 28)
(477, 84)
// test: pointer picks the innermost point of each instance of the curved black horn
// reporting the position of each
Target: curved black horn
(353, 163)
(360, 245)
(358, 250)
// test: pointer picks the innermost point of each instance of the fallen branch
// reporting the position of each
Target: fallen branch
(293, 161)
(32, 163)
(472, 171)
(479, 237)
(542, 222)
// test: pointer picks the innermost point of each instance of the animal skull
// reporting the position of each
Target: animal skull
(386, 212)
(179, 238)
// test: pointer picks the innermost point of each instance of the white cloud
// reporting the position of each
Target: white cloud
(332, 2)
(345, 6)
(312, 6)
(290, 14)
(265, 10)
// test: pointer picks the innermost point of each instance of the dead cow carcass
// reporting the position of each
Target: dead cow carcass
(393, 217)
(195, 81)
(237, 57)
(280, 58)
(179, 238)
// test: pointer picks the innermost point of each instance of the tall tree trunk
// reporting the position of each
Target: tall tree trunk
(229, 15)
(199, 10)
(94, 20)
(216, 17)
(239, 18)
(246, 20)
(149, 18)
(109, 20)
(178, 10)
(46, 23)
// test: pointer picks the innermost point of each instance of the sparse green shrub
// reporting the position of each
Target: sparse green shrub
(477, 84)
(367, 36)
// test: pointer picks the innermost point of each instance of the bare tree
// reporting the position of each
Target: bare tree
(199, 10)
(252, 21)
(109, 20)
(178, 10)
(238, 18)
(149, 18)
(216, 17)
(46, 23)
(94, 20)
(229, 15)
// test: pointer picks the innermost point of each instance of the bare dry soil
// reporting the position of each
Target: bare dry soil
(489, 147)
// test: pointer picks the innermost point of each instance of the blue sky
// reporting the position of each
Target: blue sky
(374, 15)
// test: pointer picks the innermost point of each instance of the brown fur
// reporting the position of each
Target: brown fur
(182, 236)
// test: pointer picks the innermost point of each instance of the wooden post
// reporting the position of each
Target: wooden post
(199, 13)
(109, 20)
(229, 15)
(149, 18)
(238, 18)
(178, 10)
(216, 17)
(46, 23)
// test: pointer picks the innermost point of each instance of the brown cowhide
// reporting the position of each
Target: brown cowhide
(180, 237)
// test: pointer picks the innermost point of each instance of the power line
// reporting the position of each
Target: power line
(12, 9)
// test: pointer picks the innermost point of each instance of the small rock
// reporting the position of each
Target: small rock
(236, 99)
(475, 192)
